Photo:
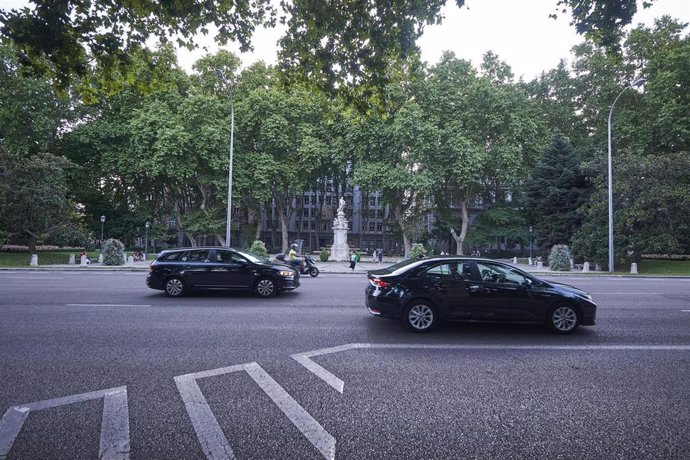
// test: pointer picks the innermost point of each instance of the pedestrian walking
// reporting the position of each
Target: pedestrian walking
(379, 256)
(353, 260)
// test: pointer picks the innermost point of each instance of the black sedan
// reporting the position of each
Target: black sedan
(178, 271)
(424, 292)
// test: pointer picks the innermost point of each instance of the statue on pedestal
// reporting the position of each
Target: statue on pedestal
(340, 251)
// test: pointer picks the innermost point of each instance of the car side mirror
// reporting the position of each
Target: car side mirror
(527, 283)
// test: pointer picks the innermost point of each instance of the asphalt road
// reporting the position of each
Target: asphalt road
(96, 364)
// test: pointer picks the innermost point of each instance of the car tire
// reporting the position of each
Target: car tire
(313, 272)
(420, 316)
(265, 287)
(563, 319)
(174, 287)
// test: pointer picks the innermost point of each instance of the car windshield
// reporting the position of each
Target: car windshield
(252, 257)
(403, 265)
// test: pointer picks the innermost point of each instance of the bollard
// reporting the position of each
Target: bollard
(585, 267)
(540, 265)
(71, 259)
(597, 268)
(84, 261)
(34, 260)
(514, 260)
(100, 258)
(633, 269)
(130, 260)
(529, 261)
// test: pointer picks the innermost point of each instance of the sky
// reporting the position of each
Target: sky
(519, 31)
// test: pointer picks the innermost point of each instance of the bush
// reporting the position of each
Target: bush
(559, 258)
(418, 251)
(113, 252)
(258, 248)
(324, 255)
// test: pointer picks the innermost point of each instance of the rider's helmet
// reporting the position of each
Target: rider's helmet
(294, 246)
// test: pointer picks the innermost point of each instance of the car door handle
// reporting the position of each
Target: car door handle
(473, 288)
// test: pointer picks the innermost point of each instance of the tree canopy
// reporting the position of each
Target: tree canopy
(333, 44)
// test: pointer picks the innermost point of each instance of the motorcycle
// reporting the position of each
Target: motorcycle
(309, 265)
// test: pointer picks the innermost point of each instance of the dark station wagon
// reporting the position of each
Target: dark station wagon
(423, 292)
(179, 271)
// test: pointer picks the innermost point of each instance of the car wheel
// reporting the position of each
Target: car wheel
(563, 319)
(313, 272)
(174, 287)
(420, 316)
(265, 287)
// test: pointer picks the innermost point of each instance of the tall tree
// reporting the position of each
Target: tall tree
(554, 191)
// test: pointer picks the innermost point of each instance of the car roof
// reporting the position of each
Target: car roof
(197, 248)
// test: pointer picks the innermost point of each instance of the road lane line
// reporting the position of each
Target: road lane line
(114, 443)
(211, 437)
(310, 428)
(627, 293)
(335, 382)
(104, 305)
(213, 442)
(33, 278)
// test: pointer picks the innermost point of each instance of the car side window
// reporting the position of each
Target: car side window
(494, 273)
(229, 257)
(199, 255)
(175, 256)
(442, 269)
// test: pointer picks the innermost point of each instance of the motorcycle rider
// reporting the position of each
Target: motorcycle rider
(294, 259)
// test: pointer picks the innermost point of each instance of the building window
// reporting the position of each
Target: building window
(371, 226)
(306, 199)
(372, 201)
(379, 227)
(328, 200)
(305, 212)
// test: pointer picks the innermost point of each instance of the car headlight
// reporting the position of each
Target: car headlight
(287, 274)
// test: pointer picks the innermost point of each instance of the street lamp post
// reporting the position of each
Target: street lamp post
(146, 241)
(636, 83)
(219, 73)
(102, 222)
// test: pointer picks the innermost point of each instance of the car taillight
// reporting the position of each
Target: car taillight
(378, 282)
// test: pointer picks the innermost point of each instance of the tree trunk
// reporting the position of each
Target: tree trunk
(400, 218)
(459, 239)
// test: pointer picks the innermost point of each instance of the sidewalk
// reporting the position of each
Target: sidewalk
(324, 267)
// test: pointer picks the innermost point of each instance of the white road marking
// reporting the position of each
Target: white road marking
(627, 293)
(686, 311)
(33, 277)
(114, 442)
(104, 305)
(305, 358)
(212, 439)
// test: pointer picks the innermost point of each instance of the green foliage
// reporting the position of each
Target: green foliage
(336, 45)
(35, 203)
(258, 248)
(559, 258)
(324, 255)
(554, 191)
(113, 252)
(418, 250)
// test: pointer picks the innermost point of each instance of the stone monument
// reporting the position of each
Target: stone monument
(340, 251)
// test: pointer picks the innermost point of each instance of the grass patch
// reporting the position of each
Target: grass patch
(664, 267)
(23, 259)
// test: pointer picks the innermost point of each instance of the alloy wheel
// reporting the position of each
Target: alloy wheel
(265, 287)
(421, 317)
(564, 319)
(174, 287)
